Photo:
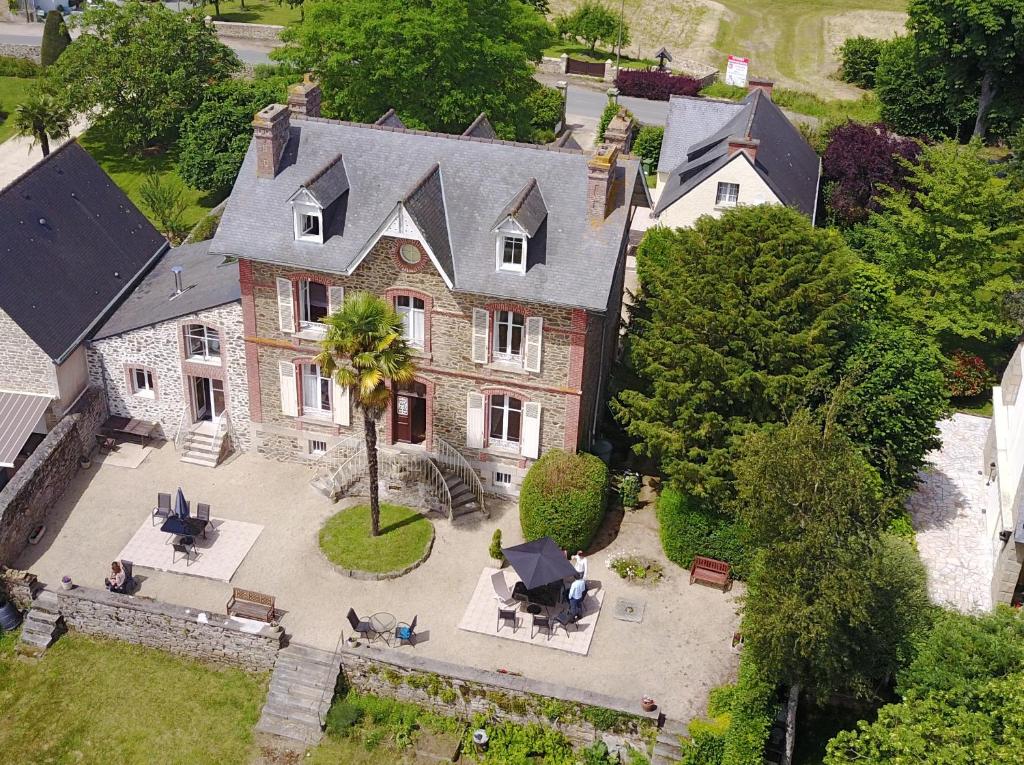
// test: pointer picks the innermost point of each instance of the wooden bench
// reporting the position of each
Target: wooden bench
(251, 605)
(710, 571)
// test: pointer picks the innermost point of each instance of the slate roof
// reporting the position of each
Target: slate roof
(696, 146)
(329, 183)
(480, 128)
(527, 208)
(389, 119)
(71, 243)
(474, 181)
(425, 204)
(206, 279)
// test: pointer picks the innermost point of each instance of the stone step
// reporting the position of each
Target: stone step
(674, 727)
(465, 509)
(46, 601)
(452, 480)
(39, 615)
(295, 709)
(464, 498)
(192, 459)
(313, 654)
(282, 726)
(301, 691)
(313, 667)
(36, 639)
(295, 676)
(667, 752)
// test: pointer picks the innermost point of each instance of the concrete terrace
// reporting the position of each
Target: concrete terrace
(677, 654)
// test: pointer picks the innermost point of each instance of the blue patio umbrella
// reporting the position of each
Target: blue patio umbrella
(180, 505)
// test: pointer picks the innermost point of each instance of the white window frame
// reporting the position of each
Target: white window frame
(501, 478)
(508, 356)
(514, 267)
(302, 214)
(148, 387)
(305, 325)
(413, 318)
(727, 194)
(315, 445)
(316, 409)
(503, 441)
(204, 339)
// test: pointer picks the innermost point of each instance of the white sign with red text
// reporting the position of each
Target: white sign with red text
(736, 71)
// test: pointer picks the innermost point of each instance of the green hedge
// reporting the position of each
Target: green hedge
(564, 497)
(689, 529)
(11, 66)
(647, 144)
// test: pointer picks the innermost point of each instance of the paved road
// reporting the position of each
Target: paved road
(590, 102)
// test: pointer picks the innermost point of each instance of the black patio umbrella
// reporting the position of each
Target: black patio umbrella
(539, 562)
(180, 505)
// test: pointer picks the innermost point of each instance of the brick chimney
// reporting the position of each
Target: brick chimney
(600, 179)
(744, 144)
(619, 132)
(765, 86)
(270, 130)
(304, 97)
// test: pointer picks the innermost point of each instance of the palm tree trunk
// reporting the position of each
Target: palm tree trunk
(44, 142)
(370, 428)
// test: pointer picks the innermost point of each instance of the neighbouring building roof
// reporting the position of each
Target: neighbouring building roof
(696, 146)
(19, 413)
(454, 187)
(481, 128)
(71, 243)
(389, 119)
(207, 282)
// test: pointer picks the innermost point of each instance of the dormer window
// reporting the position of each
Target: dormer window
(512, 253)
(309, 223)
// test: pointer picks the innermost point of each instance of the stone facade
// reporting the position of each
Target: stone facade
(569, 379)
(24, 366)
(238, 31)
(175, 629)
(160, 349)
(46, 473)
(465, 691)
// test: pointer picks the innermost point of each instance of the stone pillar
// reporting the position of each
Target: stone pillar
(20, 587)
(270, 130)
(565, 62)
(619, 132)
(304, 98)
(609, 71)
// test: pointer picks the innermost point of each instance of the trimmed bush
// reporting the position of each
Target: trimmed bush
(689, 528)
(647, 144)
(564, 497)
(860, 59)
(55, 39)
(495, 549)
(657, 86)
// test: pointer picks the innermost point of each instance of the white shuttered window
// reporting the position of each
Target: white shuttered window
(289, 393)
(475, 420)
(285, 306)
(481, 320)
(530, 446)
(534, 341)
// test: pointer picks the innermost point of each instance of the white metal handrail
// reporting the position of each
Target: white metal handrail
(452, 459)
(179, 437)
(326, 465)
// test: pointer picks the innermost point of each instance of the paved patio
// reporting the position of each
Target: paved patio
(217, 555)
(948, 513)
(676, 655)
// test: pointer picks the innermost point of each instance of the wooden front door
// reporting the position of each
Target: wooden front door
(410, 413)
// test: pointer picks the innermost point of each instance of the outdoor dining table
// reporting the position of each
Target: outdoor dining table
(183, 527)
(383, 625)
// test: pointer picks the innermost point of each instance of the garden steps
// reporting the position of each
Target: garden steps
(42, 625)
(667, 748)
(201, 448)
(463, 498)
(300, 693)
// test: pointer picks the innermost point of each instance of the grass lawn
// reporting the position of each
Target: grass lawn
(129, 171)
(13, 91)
(92, 701)
(864, 109)
(259, 12)
(404, 535)
(582, 53)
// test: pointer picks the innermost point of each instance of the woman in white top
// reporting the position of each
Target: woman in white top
(579, 562)
(115, 582)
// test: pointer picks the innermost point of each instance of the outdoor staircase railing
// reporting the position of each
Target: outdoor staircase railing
(452, 460)
(225, 428)
(326, 465)
(182, 434)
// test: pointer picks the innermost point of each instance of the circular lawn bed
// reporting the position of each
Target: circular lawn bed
(404, 541)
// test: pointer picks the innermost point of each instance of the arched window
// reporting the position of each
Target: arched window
(202, 343)
(506, 418)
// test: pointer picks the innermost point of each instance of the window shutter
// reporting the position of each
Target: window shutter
(481, 322)
(475, 421)
(289, 394)
(534, 340)
(342, 409)
(530, 443)
(285, 306)
(335, 297)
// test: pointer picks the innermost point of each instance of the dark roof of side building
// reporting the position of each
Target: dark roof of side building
(456, 205)
(207, 281)
(71, 244)
(696, 146)
(390, 119)
(481, 128)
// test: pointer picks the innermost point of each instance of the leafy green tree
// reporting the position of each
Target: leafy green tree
(140, 68)
(952, 243)
(438, 64)
(41, 118)
(215, 137)
(55, 39)
(647, 144)
(165, 199)
(592, 22)
(546, 109)
(962, 699)
(893, 392)
(541, 6)
(830, 604)
(859, 57)
(742, 321)
(365, 349)
(978, 44)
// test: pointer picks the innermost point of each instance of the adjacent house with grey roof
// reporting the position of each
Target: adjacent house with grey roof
(719, 154)
(505, 260)
(72, 246)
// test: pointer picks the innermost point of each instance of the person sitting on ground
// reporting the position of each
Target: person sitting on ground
(577, 591)
(115, 582)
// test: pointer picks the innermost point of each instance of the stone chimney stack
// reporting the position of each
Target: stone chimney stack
(270, 130)
(600, 180)
(304, 97)
(744, 144)
(765, 86)
(619, 132)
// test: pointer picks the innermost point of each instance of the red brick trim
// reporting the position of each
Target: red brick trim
(506, 305)
(572, 423)
(397, 244)
(252, 353)
(129, 378)
(577, 347)
(428, 307)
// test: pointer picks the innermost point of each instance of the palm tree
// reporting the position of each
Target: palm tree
(40, 118)
(364, 348)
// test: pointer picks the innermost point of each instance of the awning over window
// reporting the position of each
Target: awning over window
(19, 413)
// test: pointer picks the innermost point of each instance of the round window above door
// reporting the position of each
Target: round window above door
(410, 253)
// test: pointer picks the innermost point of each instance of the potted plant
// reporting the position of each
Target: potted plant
(647, 704)
(66, 583)
(85, 461)
(495, 548)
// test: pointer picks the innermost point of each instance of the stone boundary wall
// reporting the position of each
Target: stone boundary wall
(20, 50)
(238, 31)
(581, 716)
(46, 474)
(20, 587)
(171, 628)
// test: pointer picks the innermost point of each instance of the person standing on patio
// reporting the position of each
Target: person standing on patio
(577, 591)
(115, 582)
(579, 562)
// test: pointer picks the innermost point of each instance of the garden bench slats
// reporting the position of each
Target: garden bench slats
(251, 605)
(710, 571)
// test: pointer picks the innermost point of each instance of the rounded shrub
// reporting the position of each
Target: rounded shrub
(564, 497)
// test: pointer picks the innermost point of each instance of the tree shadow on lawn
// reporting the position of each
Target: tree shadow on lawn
(404, 522)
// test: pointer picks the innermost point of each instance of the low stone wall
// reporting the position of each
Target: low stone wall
(43, 478)
(20, 587)
(168, 627)
(19, 50)
(232, 29)
(581, 716)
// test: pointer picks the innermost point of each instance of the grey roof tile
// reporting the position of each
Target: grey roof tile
(389, 119)
(689, 121)
(480, 128)
(526, 208)
(71, 243)
(329, 183)
(425, 204)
